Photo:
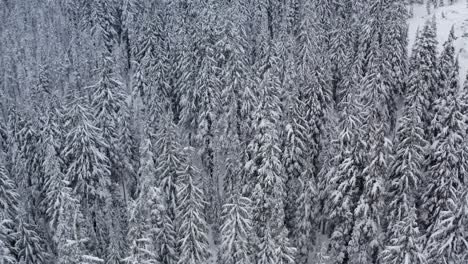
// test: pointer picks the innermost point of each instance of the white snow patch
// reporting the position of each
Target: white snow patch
(446, 16)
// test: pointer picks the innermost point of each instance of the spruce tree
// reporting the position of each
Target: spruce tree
(107, 105)
(8, 211)
(87, 170)
(146, 212)
(394, 46)
(6, 255)
(9, 196)
(200, 73)
(28, 170)
(296, 151)
(207, 83)
(306, 219)
(102, 22)
(464, 96)
(300, 149)
(446, 64)
(29, 246)
(345, 182)
(267, 248)
(366, 240)
(117, 222)
(423, 73)
(340, 51)
(445, 193)
(236, 230)
(55, 182)
(447, 83)
(153, 72)
(69, 237)
(145, 223)
(267, 172)
(169, 161)
(313, 95)
(128, 150)
(238, 99)
(193, 229)
(167, 238)
(405, 178)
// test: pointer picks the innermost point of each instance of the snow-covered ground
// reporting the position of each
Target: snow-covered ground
(446, 16)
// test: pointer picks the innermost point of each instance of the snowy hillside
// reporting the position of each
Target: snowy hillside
(233, 132)
(447, 16)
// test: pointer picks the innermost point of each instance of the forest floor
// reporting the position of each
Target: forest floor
(455, 15)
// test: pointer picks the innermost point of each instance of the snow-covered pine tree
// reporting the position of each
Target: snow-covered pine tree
(464, 96)
(295, 158)
(448, 243)
(3, 135)
(28, 169)
(116, 219)
(193, 229)
(128, 150)
(87, 170)
(345, 180)
(403, 242)
(29, 246)
(267, 172)
(237, 99)
(366, 240)
(54, 184)
(404, 246)
(394, 49)
(8, 195)
(6, 256)
(262, 35)
(108, 106)
(313, 98)
(267, 248)
(70, 232)
(167, 238)
(107, 103)
(154, 67)
(207, 86)
(275, 249)
(65, 227)
(445, 193)
(446, 66)
(306, 220)
(311, 63)
(423, 73)
(22, 237)
(299, 153)
(295, 144)
(140, 84)
(8, 210)
(169, 161)
(52, 166)
(339, 46)
(102, 22)
(146, 211)
(236, 230)
(448, 83)
(199, 72)
(146, 46)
